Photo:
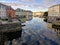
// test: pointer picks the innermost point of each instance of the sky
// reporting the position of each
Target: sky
(33, 5)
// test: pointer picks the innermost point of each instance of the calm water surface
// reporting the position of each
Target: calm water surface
(36, 32)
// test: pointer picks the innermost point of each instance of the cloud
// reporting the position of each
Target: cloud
(28, 0)
(19, 4)
(49, 3)
(35, 5)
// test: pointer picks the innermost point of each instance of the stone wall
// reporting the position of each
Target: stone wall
(10, 31)
(10, 27)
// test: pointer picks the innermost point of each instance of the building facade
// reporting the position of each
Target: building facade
(10, 11)
(21, 14)
(29, 15)
(3, 11)
(54, 13)
(38, 14)
(7, 12)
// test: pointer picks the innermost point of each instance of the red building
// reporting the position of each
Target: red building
(10, 12)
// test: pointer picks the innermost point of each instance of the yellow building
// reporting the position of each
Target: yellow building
(54, 13)
(38, 14)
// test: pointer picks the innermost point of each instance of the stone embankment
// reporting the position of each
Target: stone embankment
(10, 31)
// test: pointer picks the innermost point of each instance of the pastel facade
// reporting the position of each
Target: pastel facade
(54, 13)
(10, 11)
(21, 14)
(6, 11)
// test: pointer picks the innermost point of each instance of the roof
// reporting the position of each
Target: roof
(54, 5)
(18, 9)
(6, 6)
(28, 11)
(3, 4)
(9, 7)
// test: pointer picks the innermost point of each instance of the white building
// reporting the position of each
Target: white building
(54, 13)
(3, 11)
(29, 15)
(21, 14)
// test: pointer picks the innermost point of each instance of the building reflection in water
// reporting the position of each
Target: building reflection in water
(57, 30)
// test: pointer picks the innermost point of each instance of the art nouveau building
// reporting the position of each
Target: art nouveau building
(6, 11)
(54, 13)
(10, 11)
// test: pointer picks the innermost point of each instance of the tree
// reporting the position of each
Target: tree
(45, 14)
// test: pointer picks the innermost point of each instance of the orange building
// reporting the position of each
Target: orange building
(10, 12)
